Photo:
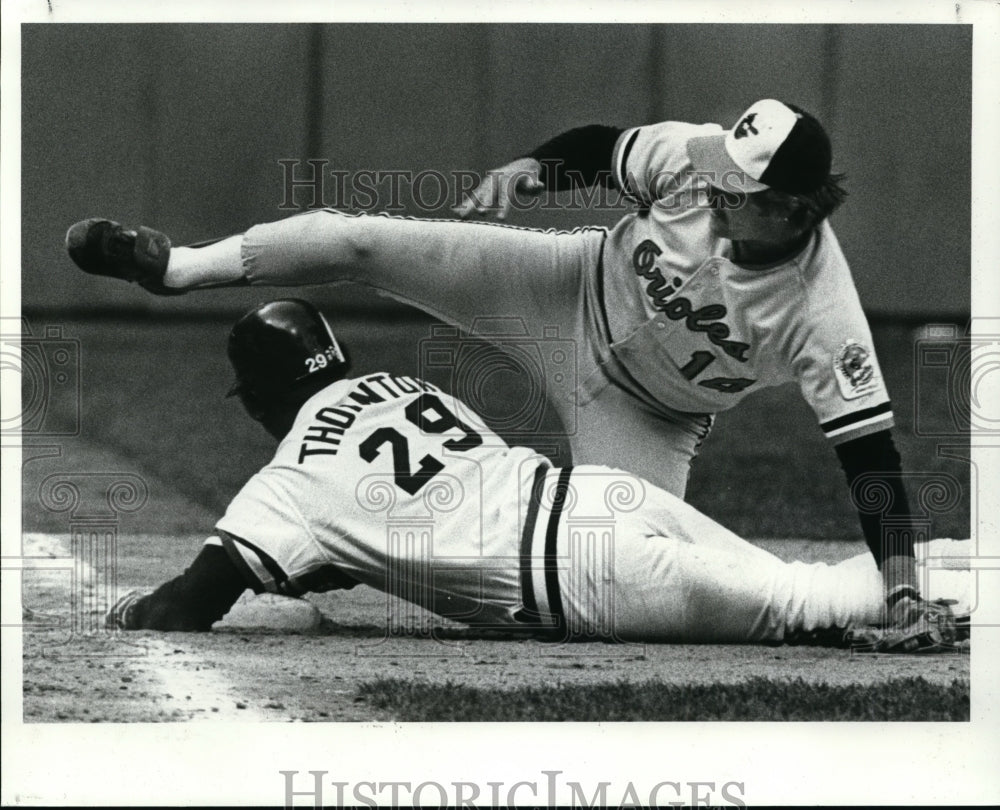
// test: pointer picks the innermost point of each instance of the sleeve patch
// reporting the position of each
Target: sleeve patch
(855, 370)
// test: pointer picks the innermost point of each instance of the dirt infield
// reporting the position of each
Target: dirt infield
(265, 676)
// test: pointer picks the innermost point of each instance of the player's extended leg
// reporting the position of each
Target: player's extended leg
(679, 576)
(466, 274)
(455, 270)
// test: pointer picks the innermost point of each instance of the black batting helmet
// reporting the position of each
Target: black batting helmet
(283, 352)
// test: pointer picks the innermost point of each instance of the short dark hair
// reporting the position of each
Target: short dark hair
(806, 209)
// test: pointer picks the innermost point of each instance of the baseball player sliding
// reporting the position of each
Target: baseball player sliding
(726, 279)
(390, 482)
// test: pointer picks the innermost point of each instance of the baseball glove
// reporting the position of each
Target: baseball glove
(918, 626)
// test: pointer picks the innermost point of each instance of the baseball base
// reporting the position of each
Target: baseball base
(273, 613)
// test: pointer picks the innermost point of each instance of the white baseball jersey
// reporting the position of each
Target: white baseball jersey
(391, 482)
(700, 332)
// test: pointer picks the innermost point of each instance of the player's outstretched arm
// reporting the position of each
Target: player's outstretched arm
(578, 157)
(874, 459)
(497, 191)
(193, 601)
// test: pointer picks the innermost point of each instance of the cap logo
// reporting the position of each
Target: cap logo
(745, 127)
(771, 146)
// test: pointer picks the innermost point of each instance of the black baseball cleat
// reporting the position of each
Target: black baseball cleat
(105, 248)
(121, 615)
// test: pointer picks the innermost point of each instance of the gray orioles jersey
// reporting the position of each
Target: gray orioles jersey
(700, 332)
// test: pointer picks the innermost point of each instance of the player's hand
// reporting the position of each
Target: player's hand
(915, 625)
(498, 190)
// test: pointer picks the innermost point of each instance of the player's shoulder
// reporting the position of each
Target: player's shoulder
(326, 397)
(826, 289)
(677, 130)
(348, 391)
(652, 153)
(822, 265)
(664, 137)
(358, 400)
(374, 388)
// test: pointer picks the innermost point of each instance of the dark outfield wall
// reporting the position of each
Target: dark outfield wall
(182, 127)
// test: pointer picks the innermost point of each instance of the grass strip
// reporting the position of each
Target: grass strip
(757, 699)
